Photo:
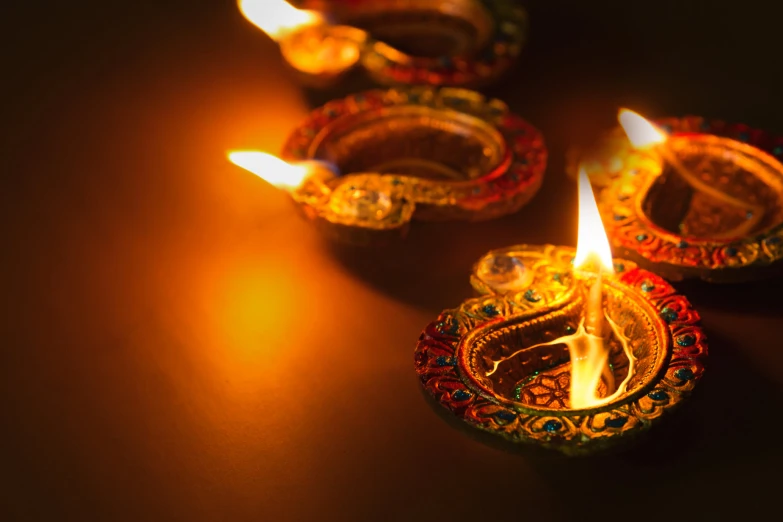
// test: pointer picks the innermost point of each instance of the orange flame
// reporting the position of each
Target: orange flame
(589, 354)
(270, 168)
(640, 131)
(587, 346)
(592, 245)
(277, 17)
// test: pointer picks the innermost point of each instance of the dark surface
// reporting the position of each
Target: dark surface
(179, 345)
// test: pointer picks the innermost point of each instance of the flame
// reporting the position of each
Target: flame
(277, 17)
(592, 245)
(270, 168)
(588, 347)
(640, 131)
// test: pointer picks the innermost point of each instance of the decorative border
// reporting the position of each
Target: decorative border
(503, 190)
(571, 432)
(389, 66)
(667, 253)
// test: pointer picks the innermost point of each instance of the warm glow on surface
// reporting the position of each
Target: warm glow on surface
(592, 246)
(640, 131)
(270, 168)
(277, 17)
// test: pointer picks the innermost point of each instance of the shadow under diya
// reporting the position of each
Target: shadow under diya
(419, 153)
(418, 42)
(499, 362)
(724, 225)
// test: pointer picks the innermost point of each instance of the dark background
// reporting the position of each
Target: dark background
(177, 344)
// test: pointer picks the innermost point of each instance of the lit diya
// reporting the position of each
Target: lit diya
(568, 350)
(691, 198)
(364, 166)
(430, 42)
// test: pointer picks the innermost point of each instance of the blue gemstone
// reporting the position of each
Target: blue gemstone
(396, 181)
(647, 286)
(552, 425)
(658, 395)
(748, 215)
(686, 340)
(617, 422)
(744, 136)
(506, 415)
(705, 126)
(532, 296)
(668, 315)
(641, 237)
(449, 327)
(569, 329)
(442, 360)
(461, 395)
(330, 112)
(731, 251)
(682, 244)
(778, 151)
(774, 240)
(490, 310)
(619, 267)
(685, 374)
(477, 190)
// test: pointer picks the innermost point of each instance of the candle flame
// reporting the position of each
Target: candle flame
(588, 346)
(277, 17)
(270, 168)
(641, 132)
(592, 246)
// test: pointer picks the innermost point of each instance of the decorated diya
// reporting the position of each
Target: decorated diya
(566, 350)
(411, 42)
(691, 198)
(364, 166)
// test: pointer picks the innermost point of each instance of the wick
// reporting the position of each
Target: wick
(595, 325)
(594, 317)
(319, 172)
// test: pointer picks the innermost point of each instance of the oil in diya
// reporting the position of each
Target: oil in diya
(364, 166)
(692, 198)
(570, 351)
(396, 42)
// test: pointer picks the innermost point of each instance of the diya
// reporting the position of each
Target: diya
(691, 198)
(563, 349)
(364, 166)
(412, 42)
